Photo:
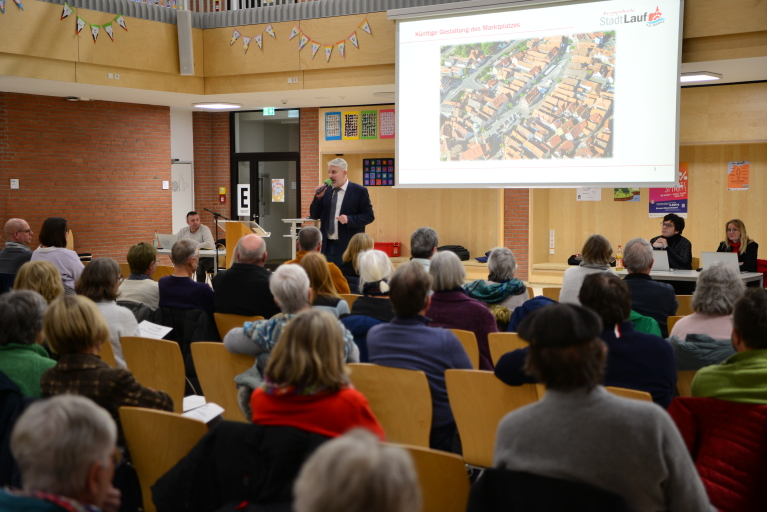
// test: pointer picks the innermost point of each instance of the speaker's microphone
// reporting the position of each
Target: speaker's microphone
(328, 184)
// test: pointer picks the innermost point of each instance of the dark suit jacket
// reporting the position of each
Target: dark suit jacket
(652, 298)
(243, 289)
(357, 208)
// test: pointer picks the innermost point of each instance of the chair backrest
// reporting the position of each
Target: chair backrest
(350, 298)
(630, 393)
(443, 479)
(685, 306)
(530, 293)
(552, 293)
(162, 271)
(216, 368)
(400, 399)
(469, 341)
(503, 342)
(671, 321)
(225, 322)
(124, 270)
(479, 401)
(70, 236)
(156, 364)
(157, 440)
(107, 354)
(684, 382)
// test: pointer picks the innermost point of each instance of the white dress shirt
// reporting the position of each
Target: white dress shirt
(339, 200)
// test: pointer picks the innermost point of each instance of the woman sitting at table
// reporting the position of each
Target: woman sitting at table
(351, 267)
(736, 240)
(324, 294)
(53, 248)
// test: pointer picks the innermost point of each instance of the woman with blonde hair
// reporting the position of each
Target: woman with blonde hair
(596, 254)
(736, 240)
(351, 267)
(306, 385)
(324, 294)
(41, 277)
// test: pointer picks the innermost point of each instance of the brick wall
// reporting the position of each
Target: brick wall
(212, 167)
(516, 227)
(310, 157)
(98, 164)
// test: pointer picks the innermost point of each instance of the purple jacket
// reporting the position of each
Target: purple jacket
(456, 310)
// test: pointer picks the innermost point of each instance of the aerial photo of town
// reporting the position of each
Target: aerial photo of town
(534, 98)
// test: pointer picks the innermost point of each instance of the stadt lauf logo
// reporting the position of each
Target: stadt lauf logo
(655, 18)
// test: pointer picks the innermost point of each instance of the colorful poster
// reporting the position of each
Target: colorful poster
(671, 200)
(278, 191)
(369, 122)
(738, 175)
(386, 123)
(588, 194)
(626, 194)
(333, 126)
(351, 124)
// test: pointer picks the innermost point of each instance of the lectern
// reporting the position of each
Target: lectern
(235, 230)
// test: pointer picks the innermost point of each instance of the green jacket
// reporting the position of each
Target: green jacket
(24, 365)
(741, 378)
(644, 324)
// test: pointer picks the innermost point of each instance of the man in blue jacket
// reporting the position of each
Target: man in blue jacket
(343, 208)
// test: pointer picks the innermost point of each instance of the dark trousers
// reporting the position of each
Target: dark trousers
(334, 252)
(203, 266)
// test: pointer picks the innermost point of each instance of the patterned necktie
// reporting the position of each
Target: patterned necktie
(333, 203)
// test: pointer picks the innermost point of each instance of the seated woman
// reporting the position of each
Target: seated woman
(596, 254)
(350, 268)
(22, 358)
(373, 307)
(53, 240)
(452, 308)
(306, 384)
(703, 338)
(736, 240)
(324, 294)
(501, 291)
(580, 432)
(41, 277)
(99, 282)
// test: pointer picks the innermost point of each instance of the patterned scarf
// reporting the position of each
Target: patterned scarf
(67, 504)
(494, 293)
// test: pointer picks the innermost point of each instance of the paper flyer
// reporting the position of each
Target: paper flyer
(671, 200)
(588, 194)
(278, 191)
(738, 175)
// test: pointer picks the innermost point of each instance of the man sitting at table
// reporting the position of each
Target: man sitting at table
(140, 287)
(310, 240)
(202, 235)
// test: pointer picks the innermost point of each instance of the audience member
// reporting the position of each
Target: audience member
(452, 308)
(201, 234)
(140, 287)
(99, 282)
(703, 338)
(350, 268)
(735, 240)
(408, 342)
(373, 307)
(179, 290)
(501, 291)
(671, 240)
(53, 248)
(743, 376)
(306, 383)
(16, 252)
(423, 245)
(356, 473)
(243, 289)
(580, 432)
(41, 277)
(65, 449)
(310, 240)
(22, 358)
(596, 254)
(650, 298)
(75, 329)
(324, 294)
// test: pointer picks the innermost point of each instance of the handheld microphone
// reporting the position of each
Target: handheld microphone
(328, 184)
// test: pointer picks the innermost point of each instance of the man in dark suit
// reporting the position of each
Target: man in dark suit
(344, 209)
(243, 289)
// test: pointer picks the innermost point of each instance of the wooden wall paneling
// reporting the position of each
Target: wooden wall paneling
(279, 53)
(139, 79)
(350, 77)
(37, 67)
(259, 82)
(729, 46)
(723, 114)
(539, 226)
(717, 17)
(38, 31)
(198, 44)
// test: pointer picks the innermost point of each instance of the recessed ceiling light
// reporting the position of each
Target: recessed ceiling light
(217, 105)
(699, 76)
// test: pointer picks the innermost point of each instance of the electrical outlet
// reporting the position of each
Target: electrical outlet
(551, 251)
(110, 76)
(551, 239)
(295, 79)
(290, 80)
(117, 76)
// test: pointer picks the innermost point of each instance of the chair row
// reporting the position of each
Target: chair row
(684, 309)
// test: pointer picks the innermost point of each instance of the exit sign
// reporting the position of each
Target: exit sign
(269, 111)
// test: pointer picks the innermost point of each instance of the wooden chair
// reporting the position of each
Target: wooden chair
(479, 401)
(684, 382)
(530, 293)
(671, 321)
(552, 293)
(400, 399)
(443, 479)
(162, 271)
(630, 393)
(107, 354)
(157, 440)
(225, 322)
(216, 368)
(124, 270)
(469, 341)
(685, 306)
(157, 364)
(350, 298)
(70, 236)
(503, 342)
(695, 263)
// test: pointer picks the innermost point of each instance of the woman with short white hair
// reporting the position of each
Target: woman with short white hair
(501, 291)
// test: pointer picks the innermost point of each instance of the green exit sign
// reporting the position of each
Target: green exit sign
(269, 111)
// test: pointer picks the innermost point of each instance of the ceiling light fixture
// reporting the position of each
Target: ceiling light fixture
(699, 76)
(217, 105)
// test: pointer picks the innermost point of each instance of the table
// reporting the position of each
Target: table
(204, 253)
(692, 275)
(294, 233)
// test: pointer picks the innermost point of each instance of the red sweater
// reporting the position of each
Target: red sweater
(328, 414)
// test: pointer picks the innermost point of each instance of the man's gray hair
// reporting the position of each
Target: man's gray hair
(717, 290)
(182, 250)
(339, 162)
(21, 315)
(447, 271)
(309, 238)
(501, 264)
(374, 266)
(638, 255)
(251, 257)
(290, 286)
(57, 440)
(422, 242)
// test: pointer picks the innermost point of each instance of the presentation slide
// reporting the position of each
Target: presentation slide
(564, 95)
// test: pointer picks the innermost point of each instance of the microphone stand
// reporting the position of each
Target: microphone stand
(215, 242)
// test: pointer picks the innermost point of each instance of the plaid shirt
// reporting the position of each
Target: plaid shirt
(267, 332)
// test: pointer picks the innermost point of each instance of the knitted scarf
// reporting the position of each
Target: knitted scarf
(279, 389)
(494, 293)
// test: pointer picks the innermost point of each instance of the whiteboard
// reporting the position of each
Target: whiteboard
(182, 193)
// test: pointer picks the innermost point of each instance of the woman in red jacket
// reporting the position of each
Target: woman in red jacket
(306, 384)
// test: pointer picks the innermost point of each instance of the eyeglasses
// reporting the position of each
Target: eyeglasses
(120, 279)
(28, 231)
(667, 224)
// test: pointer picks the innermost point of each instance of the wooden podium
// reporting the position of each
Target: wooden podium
(235, 230)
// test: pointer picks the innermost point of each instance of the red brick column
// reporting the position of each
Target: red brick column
(516, 227)
(310, 157)
(212, 166)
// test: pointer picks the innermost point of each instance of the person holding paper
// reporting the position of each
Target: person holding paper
(201, 234)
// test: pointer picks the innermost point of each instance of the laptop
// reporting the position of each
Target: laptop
(661, 262)
(166, 241)
(730, 259)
